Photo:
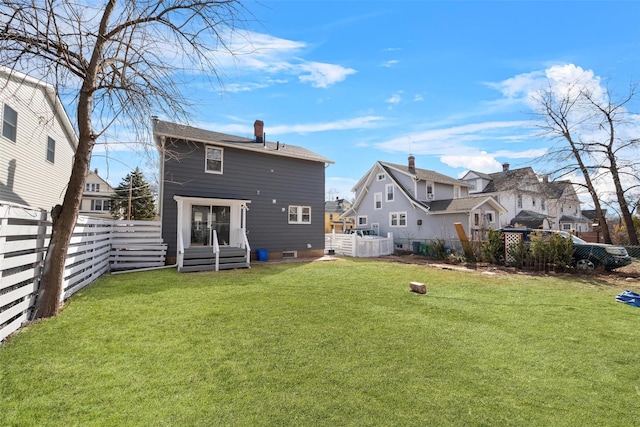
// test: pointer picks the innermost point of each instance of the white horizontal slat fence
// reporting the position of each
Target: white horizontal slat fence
(97, 246)
(356, 246)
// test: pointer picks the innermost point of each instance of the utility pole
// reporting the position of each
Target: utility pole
(129, 208)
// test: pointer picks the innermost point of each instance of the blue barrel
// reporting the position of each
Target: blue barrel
(262, 254)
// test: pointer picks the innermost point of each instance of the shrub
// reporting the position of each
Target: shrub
(493, 247)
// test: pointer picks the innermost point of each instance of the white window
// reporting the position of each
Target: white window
(377, 201)
(51, 149)
(213, 161)
(519, 200)
(92, 187)
(430, 191)
(100, 205)
(362, 220)
(490, 217)
(381, 177)
(543, 204)
(456, 192)
(566, 226)
(398, 219)
(389, 191)
(299, 214)
(9, 123)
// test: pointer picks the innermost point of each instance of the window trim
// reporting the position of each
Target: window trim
(388, 193)
(13, 125)
(51, 150)
(430, 195)
(362, 217)
(206, 159)
(376, 201)
(398, 216)
(300, 214)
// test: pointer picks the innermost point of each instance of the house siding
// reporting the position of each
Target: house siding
(260, 178)
(26, 177)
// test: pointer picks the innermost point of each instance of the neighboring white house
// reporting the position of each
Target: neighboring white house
(419, 204)
(530, 201)
(37, 142)
(97, 196)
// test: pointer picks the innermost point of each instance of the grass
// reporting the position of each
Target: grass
(339, 343)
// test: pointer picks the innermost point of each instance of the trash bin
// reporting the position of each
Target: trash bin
(416, 248)
(262, 254)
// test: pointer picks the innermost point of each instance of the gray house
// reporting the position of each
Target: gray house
(419, 204)
(225, 198)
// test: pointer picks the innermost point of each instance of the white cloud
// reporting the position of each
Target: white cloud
(395, 99)
(480, 162)
(274, 56)
(323, 75)
(418, 97)
(364, 122)
(389, 63)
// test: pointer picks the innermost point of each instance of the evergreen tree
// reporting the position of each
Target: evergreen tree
(133, 187)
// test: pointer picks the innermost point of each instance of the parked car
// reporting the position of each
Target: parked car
(586, 256)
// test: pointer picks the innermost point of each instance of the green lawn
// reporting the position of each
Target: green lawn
(341, 343)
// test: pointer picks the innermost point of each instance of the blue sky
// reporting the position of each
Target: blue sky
(359, 81)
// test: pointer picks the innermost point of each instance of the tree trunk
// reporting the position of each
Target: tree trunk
(606, 235)
(48, 303)
(64, 221)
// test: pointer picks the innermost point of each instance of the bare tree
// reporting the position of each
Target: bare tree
(585, 120)
(123, 61)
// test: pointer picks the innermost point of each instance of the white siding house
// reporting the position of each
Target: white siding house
(37, 142)
(97, 196)
(530, 201)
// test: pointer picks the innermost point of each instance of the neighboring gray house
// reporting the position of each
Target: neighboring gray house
(37, 142)
(419, 204)
(221, 192)
(530, 201)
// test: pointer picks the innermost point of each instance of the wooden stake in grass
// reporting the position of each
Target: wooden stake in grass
(417, 287)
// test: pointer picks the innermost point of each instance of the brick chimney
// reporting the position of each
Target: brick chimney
(412, 164)
(545, 179)
(258, 130)
(505, 167)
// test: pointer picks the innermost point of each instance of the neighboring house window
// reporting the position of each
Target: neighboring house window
(490, 217)
(519, 200)
(213, 160)
(543, 204)
(299, 214)
(100, 205)
(430, 191)
(456, 192)
(533, 202)
(398, 219)
(381, 177)
(377, 201)
(389, 192)
(51, 149)
(566, 226)
(9, 123)
(476, 219)
(561, 209)
(330, 217)
(91, 187)
(362, 220)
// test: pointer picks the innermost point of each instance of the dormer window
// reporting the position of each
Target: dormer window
(430, 195)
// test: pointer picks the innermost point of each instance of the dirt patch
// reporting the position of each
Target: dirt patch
(624, 276)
